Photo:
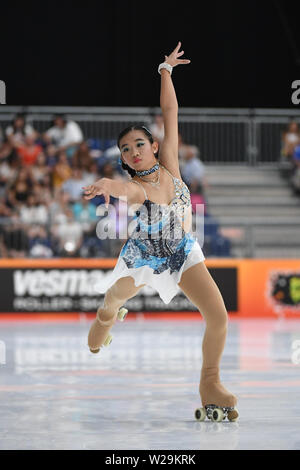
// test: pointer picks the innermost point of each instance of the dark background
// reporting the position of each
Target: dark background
(106, 53)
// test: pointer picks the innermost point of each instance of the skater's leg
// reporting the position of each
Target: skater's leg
(201, 289)
(122, 290)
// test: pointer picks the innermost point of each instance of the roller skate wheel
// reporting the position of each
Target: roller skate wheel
(122, 313)
(108, 340)
(94, 351)
(200, 414)
(233, 415)
(217, 415)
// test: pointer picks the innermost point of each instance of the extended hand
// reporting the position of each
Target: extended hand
(173, 60)
(96, 189)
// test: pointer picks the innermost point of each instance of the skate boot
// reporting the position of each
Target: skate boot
(217, 402)
(99, 332)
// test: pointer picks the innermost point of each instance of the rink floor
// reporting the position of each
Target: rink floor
(142, 390)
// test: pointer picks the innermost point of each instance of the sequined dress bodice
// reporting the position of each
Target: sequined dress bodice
(159, 229)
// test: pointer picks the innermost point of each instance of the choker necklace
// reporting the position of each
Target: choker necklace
(147, 172)
(155, 182)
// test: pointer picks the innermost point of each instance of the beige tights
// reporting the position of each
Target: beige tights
(201, 289)
(122, 290)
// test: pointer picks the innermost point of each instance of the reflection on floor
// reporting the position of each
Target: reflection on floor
(141, 391)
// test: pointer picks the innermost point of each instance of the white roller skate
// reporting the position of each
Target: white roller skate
(212, 392)
(121, 317)
(217, 413)
(122, 313)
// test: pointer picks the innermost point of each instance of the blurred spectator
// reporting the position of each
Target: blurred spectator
(33, 212)
(85, 213)
(59, 207)
(295, 178)
(157, 128)
(29, 150)
(290, 139)
(82, 158)
(91, 175)
(107, 170)
(94, 147)
(296, 156)
(39, 243)
(21, 187)
(6, 150)
(5, 211)
(69, 235)
(110, 154)
(19, 130)
(15, 243)
(65, 135)
(183, 149)
(61, 171)
(74, 185)
(43, 193)
(8, 171)
(10, 202)
(191, 167)
(41, 171)
(197, 197)
(51, 155)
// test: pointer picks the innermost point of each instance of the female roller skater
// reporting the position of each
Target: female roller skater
(152, 255)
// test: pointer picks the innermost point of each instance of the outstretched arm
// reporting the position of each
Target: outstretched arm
(116, 188)
(168, 154)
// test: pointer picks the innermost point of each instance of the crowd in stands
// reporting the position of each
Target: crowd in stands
(42, 211)
(290, 154)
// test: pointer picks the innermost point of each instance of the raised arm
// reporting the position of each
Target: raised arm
(168, 153)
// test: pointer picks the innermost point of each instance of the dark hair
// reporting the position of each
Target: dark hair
(13, 123)
(59, 115)
(147, 133)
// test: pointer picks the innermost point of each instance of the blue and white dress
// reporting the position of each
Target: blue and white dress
(159, 249)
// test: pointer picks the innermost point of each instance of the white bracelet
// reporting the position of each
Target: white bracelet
(165, 65)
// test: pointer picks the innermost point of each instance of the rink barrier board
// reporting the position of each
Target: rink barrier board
(250, 288)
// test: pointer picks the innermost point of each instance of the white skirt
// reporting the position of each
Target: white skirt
(164, 283)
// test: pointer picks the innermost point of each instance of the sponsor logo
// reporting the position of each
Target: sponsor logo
(284, 290)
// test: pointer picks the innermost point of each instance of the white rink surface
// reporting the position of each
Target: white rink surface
(142, 390)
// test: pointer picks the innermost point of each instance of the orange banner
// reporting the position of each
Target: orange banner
(263, 287)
